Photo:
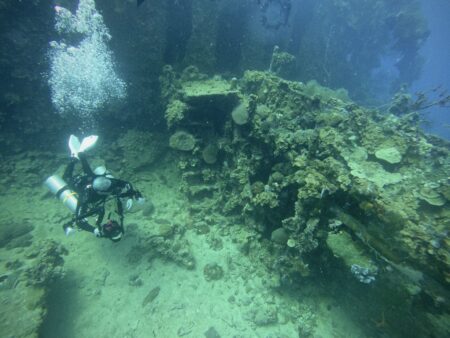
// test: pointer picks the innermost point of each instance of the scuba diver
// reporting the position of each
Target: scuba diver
(86, 194)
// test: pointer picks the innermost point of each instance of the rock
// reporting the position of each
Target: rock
(26, 278)
(390, 155)
(182, 140)
(279, 236)
(212, 333)
(20, 242)
(14, 234)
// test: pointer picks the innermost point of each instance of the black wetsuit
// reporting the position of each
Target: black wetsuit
(91, 202)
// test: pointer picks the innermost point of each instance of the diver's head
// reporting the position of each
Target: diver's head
(101, 184)
(112, 230)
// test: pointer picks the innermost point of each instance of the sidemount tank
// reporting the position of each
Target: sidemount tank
(59, 188)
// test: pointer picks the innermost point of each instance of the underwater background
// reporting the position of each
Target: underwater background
(293, 156)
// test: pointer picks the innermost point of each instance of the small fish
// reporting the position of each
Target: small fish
(151, 296)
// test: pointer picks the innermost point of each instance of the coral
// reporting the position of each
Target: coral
(212, 271)
(431, 195)
(363, 274)
(47, 263)
(209, 153)
(170, 85)
(264, 315)
(320, 174)
(165, 230)
(175, 112)
(266, 198)
(215, 243)
(182, 140)
(307, 321)
(240, 114)
(444, 188)
(279, 236)
(313, 88)
(291, 243)
(390, 155)
(369, 170)
(283, 64)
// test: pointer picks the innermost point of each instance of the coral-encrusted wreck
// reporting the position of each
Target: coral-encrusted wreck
(360, 194)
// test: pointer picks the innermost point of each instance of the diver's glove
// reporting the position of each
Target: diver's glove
(68, 229)
(139, 200)
(97, 233)
(129, 203)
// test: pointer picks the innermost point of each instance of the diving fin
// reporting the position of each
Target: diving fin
(139, 2)
(88, 142)
(77, 147)
(74, 146)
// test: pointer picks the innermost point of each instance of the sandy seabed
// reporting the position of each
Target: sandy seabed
(105, 291)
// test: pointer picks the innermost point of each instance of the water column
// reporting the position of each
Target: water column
(82, 75)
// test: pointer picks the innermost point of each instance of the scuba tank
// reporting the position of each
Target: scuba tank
(59, 188)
